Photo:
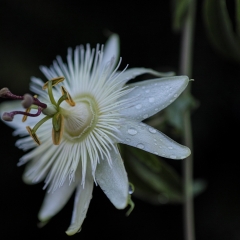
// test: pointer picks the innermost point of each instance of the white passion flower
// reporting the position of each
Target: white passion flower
(83, 112)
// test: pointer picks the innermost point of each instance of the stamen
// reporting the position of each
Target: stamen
(32, 132)
(54, 81)
(10, 116)
(69, 99)
(57, 130)
(33, 135)
(24, 118)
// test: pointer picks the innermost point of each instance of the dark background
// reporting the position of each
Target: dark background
(32, 33)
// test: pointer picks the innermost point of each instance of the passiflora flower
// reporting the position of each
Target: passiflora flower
(82, 112)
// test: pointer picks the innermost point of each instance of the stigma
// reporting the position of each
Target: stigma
(51, 111)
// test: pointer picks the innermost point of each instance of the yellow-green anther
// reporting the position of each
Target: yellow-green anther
(56, 121)
(57, 135)
(69, 99)
(54, 81)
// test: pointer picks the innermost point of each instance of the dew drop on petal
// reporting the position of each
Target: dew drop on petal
(139, 106)
(173, 156)
(170, 148)
(130, 189)
(142, 124)
(152, 130)
(156, 109)
(155, 153)
(132, 131)
(151, 99)
(140, 145)
(128, 140)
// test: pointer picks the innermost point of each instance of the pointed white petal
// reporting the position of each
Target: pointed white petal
(55, 201)
(149, 139)
(111, 49)
(134, 72)
(113, 180)
(81, 203)
(151, 96)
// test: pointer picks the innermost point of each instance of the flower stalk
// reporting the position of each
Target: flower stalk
(186, 69)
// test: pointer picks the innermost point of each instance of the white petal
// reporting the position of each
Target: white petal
(113, 180)
(149, 139)
(151, 96)
(111, 49)
(134, 72)
(55, 201)
(81, 203)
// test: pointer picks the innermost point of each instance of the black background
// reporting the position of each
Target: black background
(32, 33)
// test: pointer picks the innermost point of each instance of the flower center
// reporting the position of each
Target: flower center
(79, 120)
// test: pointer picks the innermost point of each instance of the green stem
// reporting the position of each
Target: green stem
(186, 69)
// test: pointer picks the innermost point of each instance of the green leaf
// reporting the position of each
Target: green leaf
(154, 180)
(179, 11)
(220, 29)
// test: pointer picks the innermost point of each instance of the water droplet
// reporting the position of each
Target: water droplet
(147, 91)
(156, 109)
(128, 140)
(173, 156)
(130, 188)
(132, 131)
(155, 153)
(142, 124)
(170, 148)
(152, 130)
(139, 106)
(175, 95)
(151, 99)
(79, 230)
(145, 115)
(140, 145)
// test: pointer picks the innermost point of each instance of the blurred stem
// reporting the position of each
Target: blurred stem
(186, 69)
(237, 3)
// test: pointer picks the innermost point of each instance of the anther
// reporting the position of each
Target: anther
(54, 81)
(69, 99)
(33, 135)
